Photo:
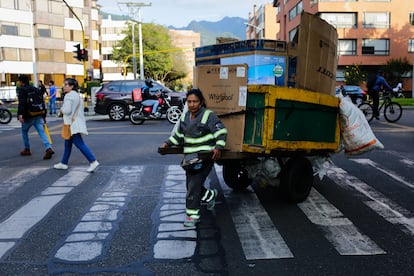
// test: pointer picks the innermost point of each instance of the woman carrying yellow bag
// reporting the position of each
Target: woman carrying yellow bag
(74, 117)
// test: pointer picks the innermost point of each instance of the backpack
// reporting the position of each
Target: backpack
(35, 103)
(372, 79)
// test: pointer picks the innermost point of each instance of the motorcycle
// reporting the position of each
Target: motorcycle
(139, 113)
(5, 114)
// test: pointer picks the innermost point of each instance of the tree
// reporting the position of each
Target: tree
(354, 75)
(161, 61)
(396, 68)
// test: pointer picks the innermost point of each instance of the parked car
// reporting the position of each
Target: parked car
(114, 97)
(356, 93)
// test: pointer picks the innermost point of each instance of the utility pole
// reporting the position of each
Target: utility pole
(135, 8)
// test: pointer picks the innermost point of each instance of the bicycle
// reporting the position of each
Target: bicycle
(392, 110)
(5, 114)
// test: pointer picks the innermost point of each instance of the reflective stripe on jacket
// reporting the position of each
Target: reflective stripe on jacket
(203, 133)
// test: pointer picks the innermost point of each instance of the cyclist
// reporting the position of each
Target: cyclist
(380, 85)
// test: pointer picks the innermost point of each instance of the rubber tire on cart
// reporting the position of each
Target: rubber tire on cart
(235, 175)
(136, 117)
(297, 179)
(117, 112)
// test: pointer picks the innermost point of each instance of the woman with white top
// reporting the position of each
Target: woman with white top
(73, 115)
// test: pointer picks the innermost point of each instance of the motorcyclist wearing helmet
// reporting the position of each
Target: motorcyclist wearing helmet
(150, 98)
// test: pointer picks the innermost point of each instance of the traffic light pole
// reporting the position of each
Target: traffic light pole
(85, 95)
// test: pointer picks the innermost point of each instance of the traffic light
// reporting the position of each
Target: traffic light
(78, 54)
(84, 54)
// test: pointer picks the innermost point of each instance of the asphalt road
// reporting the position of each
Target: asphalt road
(126, 218)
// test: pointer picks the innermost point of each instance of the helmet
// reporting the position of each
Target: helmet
(148, 82)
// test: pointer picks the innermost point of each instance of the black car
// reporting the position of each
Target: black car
(356, 93)
(114, 97)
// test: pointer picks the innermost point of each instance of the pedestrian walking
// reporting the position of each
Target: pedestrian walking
(73, 115)
(31, 112)
(52, 97)
(199, 130)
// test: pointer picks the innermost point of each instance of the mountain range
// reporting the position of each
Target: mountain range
(228, 27)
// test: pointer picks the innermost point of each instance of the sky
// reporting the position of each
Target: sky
(179, 13)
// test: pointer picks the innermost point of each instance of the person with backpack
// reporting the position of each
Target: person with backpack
(374, 87)
(199, 130)
(31, 111)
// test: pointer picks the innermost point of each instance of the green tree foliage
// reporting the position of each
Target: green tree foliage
(161, 61)
(396, 68)
(354, 75)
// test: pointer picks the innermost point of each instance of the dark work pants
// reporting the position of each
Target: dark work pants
(375, 102)
(195, 185)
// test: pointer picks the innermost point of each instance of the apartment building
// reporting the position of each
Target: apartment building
(186, 41)
(370, 32)
(111, 33)
(38, 37)
(261, 22)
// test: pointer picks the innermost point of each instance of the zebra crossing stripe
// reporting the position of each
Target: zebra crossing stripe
(391, 174)
(258, 236)
(13, 228)
(10, 182)
(340, 231)
(87, 240)
(174, 241)
(389, 210)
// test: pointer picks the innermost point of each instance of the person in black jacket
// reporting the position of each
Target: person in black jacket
(149, 98)
(28, 121)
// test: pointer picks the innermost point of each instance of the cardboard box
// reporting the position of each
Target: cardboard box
(225, 91)
(313, 56)
(265, 58)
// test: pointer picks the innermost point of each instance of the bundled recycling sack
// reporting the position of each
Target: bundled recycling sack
(356, 133)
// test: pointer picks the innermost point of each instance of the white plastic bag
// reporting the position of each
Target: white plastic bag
(356, 133)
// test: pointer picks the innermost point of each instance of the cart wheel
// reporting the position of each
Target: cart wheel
(235, 175)
(297, 179)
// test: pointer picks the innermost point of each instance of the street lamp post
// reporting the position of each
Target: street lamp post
(132, 6)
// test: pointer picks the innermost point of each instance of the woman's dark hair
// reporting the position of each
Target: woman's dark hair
(198, 94)
(73, 82)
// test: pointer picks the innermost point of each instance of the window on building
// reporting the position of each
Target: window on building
(340, 20)
(377, 47)
(9, 30)
(296, 10)
(347, 47)
(15, 5)
(55, 7)
(412, 18)
(10, 54)
(411, 45)
(25, 54)
(44, 32)
(292, 34)
(376, 20)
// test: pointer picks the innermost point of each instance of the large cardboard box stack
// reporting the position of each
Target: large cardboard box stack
(225, 90)
(313, 55)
